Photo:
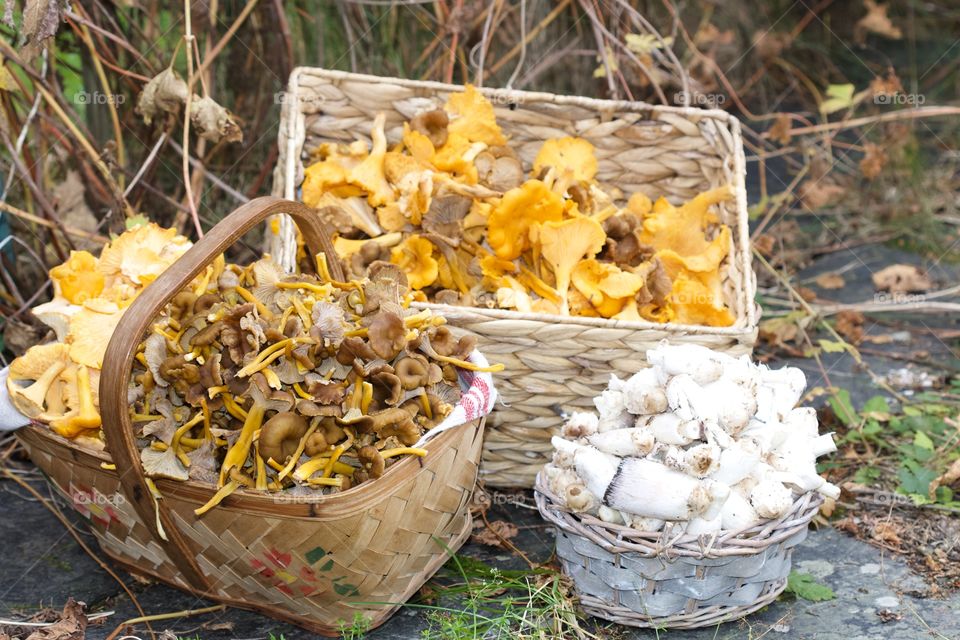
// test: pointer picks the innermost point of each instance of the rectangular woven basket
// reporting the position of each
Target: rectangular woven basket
(314, 560)
(551, 361)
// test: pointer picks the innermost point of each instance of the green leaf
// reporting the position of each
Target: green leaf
(834, 346)
(840, 402)
(136, 221)
(923, 441)
(803, 585)
(915, 479)
(877, 408)
(867, 475)
(315, 554)
(839, 96)
(644, 43)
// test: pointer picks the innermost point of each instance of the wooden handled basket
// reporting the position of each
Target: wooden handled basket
(550, 360)
(314, 561)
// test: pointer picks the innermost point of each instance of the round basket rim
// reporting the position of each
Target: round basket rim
(622, 539)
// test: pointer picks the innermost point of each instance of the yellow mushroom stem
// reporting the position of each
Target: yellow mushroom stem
(142, 359)
(366, 396)
(240, 477)
(195, 443)
(323, 269)
(237, 455)
(145, 417)
(425, 403)
(302, 312)
(403, 451)
(108, 466)
(319, 289)
(207, 427)
(217, 498)
(285, 471)
(185, 427)
(172, 322)
(356, 396)
(168, 336)
(268, 355)
(469, 366)
(300, 392)
(273, 380)
(231, 406)
(285, 317)
(249, 297)
(159, 446)
(213, 391)
(201, 287)
(261, 470)
(326, 482)
(329, 468)
(87, 417)
(276, 466)
(157, 496)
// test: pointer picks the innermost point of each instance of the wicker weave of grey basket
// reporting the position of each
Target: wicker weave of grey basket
(675, 581)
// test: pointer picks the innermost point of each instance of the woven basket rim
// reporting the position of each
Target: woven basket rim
(333, 504)
(620, 538)
(543, 96)
(600, 323)
(745, 323)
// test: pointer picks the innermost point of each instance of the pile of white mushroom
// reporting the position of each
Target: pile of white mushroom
(701, 439)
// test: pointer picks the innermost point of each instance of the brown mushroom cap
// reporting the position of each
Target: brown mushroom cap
(387, 335)
(176, 368)
(182, 304)
(327, 435)
(354, 348)
(280, 436)
(371, 460)
(412, 371)
(432, 124)
(446, 214)
(205, 302)
(387, 390)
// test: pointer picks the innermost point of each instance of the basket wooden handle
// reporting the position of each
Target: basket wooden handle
(118, 359)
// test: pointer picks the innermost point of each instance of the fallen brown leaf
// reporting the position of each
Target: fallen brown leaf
(850, 325)
(901, 278)
(830, 281)
(887, 532)
(494, 534)
(820, 193)
(874, 159)
(41, 19)
(876, 21)
(947, 478)
(780, 131)
(72, 624)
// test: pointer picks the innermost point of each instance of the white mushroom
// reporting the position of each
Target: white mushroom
(635, 442)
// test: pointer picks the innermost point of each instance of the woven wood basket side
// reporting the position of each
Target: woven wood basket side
(314, 569)
(681, 582)
(550, 360)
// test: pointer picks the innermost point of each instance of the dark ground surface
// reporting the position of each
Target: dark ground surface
(43, 565)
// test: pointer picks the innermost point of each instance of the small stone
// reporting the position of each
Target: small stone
(886, 602)
(870, 569)
(817, 568)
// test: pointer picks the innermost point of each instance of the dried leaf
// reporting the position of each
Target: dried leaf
(494, 534)
(902, 278)
(41, 19)
(165, 92)
(643, 44)
(876, 21)
(886, 532)
(830, 281)
(214, 122)
(780, 131)
(820, 193)
(850, 325)
(7, 81)
(72, 624)
(874, 158)
(947, 478)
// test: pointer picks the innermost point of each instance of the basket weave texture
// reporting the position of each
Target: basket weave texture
(550, 360)
(312, 560)
(678, 581)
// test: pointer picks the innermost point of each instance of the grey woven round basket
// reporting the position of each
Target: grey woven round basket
(671, 580)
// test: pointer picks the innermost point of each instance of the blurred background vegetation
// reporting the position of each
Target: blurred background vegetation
(849, 107)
